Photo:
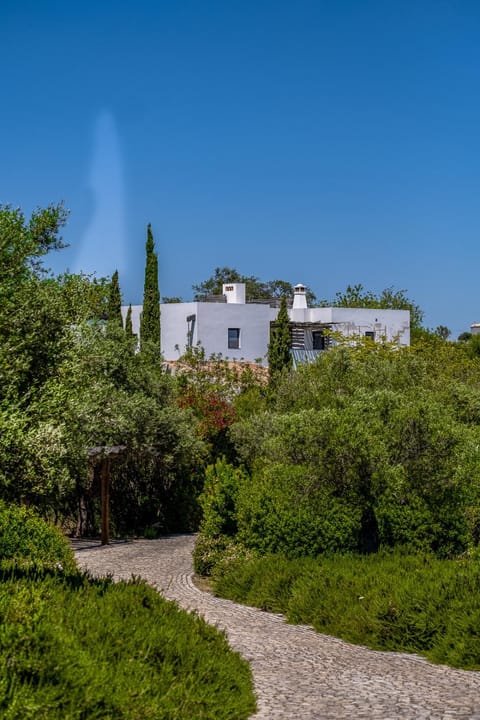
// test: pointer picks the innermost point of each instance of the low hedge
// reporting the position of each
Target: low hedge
(75, 648)
(413, 603)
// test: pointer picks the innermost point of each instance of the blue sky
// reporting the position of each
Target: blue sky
(323, 142)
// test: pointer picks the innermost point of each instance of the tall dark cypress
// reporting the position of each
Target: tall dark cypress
(128, 323)
(150, 318)
(279, 355)
(114, 303)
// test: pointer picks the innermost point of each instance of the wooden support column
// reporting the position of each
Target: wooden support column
(105, 483)
(103, 455)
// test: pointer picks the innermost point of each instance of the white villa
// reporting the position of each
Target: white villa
(240, 330)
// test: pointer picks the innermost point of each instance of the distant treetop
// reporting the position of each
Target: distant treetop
(255, 288)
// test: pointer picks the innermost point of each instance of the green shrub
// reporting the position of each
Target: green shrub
(218, 552)
(413, 603)
(207, 553)
(218, 499)
(73, 648)
(27, 540)
(283, 510)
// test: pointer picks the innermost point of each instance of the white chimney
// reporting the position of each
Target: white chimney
(234, 292)
(299, 297)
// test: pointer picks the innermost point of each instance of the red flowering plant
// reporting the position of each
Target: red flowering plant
(211, 388)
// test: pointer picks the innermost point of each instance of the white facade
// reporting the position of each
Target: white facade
(241, 331)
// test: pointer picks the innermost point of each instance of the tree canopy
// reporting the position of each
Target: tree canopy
(388, 299)
(255, 288)
(68, 385)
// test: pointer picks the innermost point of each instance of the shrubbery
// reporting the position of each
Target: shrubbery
(370, 447)
(414, 603)
(27, 541)
(72, 647)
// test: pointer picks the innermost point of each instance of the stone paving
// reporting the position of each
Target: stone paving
(298, 674)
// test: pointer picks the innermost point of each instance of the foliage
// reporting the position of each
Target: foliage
(23, 243)
(443, 332)
(371, 446)
(389, 298)
(72, 647)
(474, 346)
(114, 303)
(150, 317)
(103, 394)
(215, 391)
(279, 355)
(222, 482)
(27, 541)
(70, 381)
(128, 324)
(255, 288)
(413, 603)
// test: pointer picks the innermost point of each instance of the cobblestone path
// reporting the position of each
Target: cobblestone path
(298, 674)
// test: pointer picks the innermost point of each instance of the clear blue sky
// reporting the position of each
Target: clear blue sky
(323, 142)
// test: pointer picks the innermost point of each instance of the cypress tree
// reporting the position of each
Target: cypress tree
(128, 323)
(150, 318)
(114, 308)
(279, 355)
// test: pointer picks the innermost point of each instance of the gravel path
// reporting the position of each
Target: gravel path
(298, 674)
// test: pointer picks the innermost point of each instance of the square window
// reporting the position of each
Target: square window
(370, 334)
(233, 338)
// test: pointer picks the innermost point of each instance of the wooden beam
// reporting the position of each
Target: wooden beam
(105, 482)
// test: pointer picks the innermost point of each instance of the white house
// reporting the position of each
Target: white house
(240, 330)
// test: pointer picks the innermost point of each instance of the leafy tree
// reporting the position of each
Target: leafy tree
(279, 349)
(32, 312)
(115, 303)
(255, 288)
(103, 394)
(465, 337)
(443, 332)
(67, 385)
(150, 318)
(389, 299)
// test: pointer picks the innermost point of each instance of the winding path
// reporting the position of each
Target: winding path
(298, 674)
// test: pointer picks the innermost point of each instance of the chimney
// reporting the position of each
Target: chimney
(234, 292)
(299, 297)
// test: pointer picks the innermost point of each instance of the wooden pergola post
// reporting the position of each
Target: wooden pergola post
(105, 454)
(105, 495)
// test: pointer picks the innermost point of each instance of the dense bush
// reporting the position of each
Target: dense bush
(369, 447)
(73, 648)
(28, 541)
(386, 601)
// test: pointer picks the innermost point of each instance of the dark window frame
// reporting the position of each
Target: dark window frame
(233, 341)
